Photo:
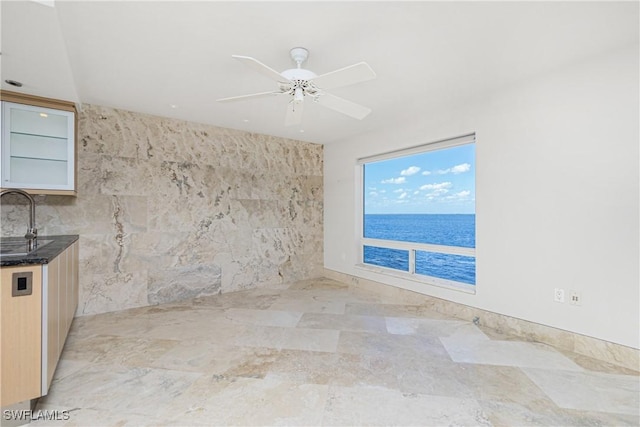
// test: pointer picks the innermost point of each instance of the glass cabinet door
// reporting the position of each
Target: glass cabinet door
(37, 148)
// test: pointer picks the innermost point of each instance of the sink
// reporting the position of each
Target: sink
(19, 247)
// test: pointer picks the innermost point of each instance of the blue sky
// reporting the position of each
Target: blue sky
(439, 181)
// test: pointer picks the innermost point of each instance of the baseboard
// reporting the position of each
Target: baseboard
(595, 348)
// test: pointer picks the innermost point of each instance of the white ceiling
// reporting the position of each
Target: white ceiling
(149, 56)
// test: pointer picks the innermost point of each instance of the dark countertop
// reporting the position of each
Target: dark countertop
(41, 255)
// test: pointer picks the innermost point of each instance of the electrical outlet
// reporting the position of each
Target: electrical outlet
(575, 297)
(558, 295)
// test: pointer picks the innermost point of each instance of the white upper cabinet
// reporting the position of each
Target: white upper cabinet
(38, 148)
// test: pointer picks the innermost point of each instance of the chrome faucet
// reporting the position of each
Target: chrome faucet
(32, 231)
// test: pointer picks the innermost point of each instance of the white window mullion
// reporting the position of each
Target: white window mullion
(427, 247)
(412, 261)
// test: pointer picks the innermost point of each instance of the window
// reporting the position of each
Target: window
(418, 213)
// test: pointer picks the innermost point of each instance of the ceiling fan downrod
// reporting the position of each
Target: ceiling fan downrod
(299, 55)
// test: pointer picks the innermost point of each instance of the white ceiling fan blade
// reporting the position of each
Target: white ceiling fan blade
(261, 68)
(294, 113)
(343, 106)
(250, 96)
(360, 72)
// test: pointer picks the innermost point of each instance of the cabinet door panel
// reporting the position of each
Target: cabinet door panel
(41, 121)
(76, 278)
(37, 171)
(70, 277)
(62, 299)
(20, 329)
(38, 147)
(53, 315)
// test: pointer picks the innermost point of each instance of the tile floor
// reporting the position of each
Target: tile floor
(317, 353)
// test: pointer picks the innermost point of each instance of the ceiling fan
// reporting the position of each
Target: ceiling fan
(299, 83)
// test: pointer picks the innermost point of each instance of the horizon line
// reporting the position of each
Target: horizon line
(423, 213)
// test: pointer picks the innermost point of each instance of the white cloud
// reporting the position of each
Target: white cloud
(438, 186)
(399, 180)
(411, 170)
(436, 190)
(461, 168)
(399, 190)
(426, 173)
(416, 192)
(460, 196)
(402, 196)
(373, 193)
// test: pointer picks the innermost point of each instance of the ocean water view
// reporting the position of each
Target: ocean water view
(436, 229)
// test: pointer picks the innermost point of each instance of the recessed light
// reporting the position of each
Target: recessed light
(45, 115)
(246, 120)
(174, 106)
(301, 130)
(13, 83)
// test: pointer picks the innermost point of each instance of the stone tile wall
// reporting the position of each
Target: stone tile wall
(168, 210)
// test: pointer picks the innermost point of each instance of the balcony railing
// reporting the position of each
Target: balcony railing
(435, 264)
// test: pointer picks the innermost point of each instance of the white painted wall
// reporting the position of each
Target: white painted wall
(557, 194)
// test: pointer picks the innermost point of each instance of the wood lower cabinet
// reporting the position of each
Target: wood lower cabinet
(60, 278)
(20, 325)
(34, 324)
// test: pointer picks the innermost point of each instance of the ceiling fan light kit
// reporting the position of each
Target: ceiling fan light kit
(299, 83)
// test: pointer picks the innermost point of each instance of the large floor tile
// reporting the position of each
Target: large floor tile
(120, 350)
(214, 400)
(139, 391)
(308, 304)
(333, 368)
(288, 338)
(463, 349)
(392, 310)
(590, 391)
(391, 346)
(263, 317)
(426, 327)
(342, 322)
(357, 406)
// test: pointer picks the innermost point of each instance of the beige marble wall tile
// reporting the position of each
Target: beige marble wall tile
(603, 350)
(168, 209)
(179, 283)
(103, 292)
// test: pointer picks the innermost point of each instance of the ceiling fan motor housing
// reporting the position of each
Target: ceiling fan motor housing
(299, 78)
(299, 55)
(298, 74)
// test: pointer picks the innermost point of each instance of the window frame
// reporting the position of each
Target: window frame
(411, 247)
